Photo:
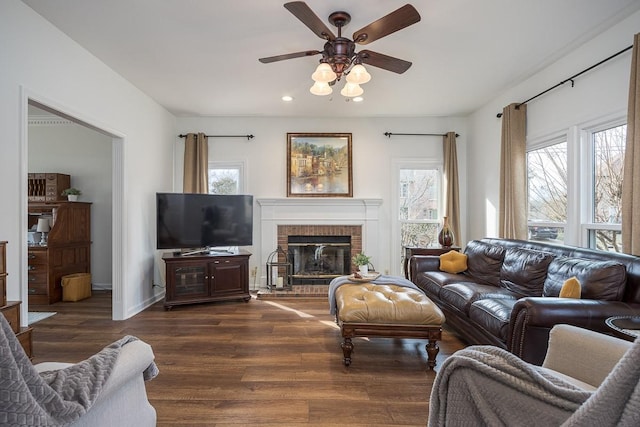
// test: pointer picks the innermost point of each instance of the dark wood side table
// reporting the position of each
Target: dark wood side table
(625, 327)
(409, 251)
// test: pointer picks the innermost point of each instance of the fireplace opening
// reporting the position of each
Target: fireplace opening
(317, 260)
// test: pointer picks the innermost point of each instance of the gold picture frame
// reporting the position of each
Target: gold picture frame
(319, 165)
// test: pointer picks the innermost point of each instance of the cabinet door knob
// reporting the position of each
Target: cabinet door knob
(31, 256)
(30, 267)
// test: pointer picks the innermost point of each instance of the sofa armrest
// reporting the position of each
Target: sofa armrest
(133, 359)
(421, 263)
(582, 354)
(533, 317)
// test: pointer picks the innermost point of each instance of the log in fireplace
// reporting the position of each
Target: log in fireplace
(316, 260)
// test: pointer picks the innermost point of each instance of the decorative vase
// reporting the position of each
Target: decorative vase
(445, 236)
(364, 269)
(72, 197)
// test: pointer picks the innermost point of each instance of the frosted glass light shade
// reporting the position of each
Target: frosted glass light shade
(358, 75)
(321, 89)
(351, 90)
(324, 73)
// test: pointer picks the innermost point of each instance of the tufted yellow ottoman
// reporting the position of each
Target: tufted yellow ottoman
(389, 311)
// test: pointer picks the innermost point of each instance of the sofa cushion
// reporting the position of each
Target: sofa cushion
(493, 315)
(461, 295)
(432, 281)
(599, 280)
(484, 262)
(525, 270)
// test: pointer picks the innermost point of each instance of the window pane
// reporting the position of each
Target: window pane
(547, 183)
(419, 194)
(224, 181)
(606, 240)
(419, 235)
(608, 163)
(542, 232)
(419, 202)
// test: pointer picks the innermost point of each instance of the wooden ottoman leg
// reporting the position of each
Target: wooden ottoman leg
(347, 348)
(432, 352)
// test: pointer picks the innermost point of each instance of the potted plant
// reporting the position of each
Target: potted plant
(72, 194)
(362, 261)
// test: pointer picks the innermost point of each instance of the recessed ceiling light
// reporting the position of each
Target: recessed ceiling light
(358, 99)
(287, 98)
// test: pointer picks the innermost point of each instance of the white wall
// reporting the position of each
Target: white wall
(84, 154)
(602, 92)
(373, 156)
(42, 63)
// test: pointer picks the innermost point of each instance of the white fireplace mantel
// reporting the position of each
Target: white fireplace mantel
(320, 211)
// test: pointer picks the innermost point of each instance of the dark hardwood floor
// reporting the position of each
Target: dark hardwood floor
(265, 362)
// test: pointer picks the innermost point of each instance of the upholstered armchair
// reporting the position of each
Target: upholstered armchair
(106, 389)
(587, 379)
(123, 399)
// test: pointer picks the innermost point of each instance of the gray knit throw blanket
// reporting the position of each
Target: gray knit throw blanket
(51, 398)
(488, 386)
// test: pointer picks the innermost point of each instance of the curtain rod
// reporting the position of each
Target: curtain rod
(389, 134)
(223, 136)
(570, 79)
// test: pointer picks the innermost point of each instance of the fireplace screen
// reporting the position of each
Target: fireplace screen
(318, 259)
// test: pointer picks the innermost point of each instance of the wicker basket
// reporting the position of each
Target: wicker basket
(76, 287)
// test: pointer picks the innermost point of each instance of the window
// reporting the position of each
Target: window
(547, 191)
(226, 178)
(419, 206)
(603, 225)
(575, 186)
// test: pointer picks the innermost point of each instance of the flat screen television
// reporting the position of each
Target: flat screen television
(203, 221)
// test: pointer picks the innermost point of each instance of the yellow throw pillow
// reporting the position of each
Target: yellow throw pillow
(571, 288)
(453, 262)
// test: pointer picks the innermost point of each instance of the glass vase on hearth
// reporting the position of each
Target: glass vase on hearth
(445, 235)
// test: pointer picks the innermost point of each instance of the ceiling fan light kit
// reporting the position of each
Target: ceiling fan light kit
(324, 74)
(339, 56)
(358, 75)
(351, 89)
(321, 89)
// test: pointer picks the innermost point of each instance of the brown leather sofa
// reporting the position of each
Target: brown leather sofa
(508, 296)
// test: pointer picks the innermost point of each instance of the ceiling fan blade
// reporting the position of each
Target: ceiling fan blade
(304, 13)
(288, 56)
(384, 61)
(395, 21)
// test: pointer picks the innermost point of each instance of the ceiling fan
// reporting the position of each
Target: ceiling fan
(339, 56)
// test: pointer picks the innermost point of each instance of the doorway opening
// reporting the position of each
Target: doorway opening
(59, 142)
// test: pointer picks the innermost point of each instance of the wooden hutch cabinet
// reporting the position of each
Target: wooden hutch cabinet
(11, 309)
(68, 248)
(204, 278)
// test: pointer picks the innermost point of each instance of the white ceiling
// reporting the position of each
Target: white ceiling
(200, 57)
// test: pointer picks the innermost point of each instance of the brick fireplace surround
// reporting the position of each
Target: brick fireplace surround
(358, 218)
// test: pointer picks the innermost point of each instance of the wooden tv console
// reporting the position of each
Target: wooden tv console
(207, 277)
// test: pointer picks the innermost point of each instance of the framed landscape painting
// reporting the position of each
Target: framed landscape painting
(319, 165)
